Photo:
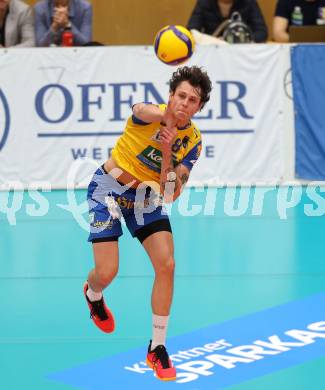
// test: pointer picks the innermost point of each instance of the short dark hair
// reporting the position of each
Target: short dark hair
(196, 77)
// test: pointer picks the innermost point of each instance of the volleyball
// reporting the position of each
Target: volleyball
(174, 44)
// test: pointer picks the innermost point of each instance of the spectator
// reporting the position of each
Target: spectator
(286, 15)
(16, 24)
(208, 15)
(52, 17)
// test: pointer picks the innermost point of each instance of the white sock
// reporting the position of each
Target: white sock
(159, 330)
(93, 295)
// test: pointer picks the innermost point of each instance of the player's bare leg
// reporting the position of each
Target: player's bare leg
(160, 248)
(106, 268)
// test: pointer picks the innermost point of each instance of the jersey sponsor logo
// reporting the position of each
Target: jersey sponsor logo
(4, 124)
(151, 157)
(155, 155)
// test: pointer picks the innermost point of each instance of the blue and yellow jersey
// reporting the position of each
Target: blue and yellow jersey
(138, 150)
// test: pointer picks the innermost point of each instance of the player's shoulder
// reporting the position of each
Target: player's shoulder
(134, 120)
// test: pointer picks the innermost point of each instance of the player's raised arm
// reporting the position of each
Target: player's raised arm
(148, 112)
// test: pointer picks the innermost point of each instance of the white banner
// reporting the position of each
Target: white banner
(62, 110)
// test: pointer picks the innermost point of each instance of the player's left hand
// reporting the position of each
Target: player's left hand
(168, 118)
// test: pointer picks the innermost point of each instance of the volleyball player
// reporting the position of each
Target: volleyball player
(150, 162)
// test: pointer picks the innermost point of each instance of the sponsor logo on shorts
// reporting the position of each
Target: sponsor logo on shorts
(130, 204)
(103, 224)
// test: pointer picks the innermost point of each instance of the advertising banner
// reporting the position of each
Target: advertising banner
(62, 110)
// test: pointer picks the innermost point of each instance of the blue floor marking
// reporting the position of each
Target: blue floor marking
(301, 323)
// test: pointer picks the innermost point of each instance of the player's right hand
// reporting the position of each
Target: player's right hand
(169, 119)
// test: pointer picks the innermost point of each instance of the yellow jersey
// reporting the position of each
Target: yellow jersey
(138, 150)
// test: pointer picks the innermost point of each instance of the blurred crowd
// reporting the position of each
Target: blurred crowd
(241, 21)
(48, 23)
(69, 22)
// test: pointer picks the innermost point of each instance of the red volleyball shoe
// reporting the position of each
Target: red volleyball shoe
(159, 361)
(100, 313)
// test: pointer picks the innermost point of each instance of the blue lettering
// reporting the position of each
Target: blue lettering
(109, 152)
(150, 89)
(85, 102)
(118, 100)
(225, 100)
(39, 103)
(209, 151)
(97, 153)
(78, 153)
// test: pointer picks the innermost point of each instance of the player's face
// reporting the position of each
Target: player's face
(185, 102)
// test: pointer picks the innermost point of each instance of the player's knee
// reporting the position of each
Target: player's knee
(105, 276)
(166, 265)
